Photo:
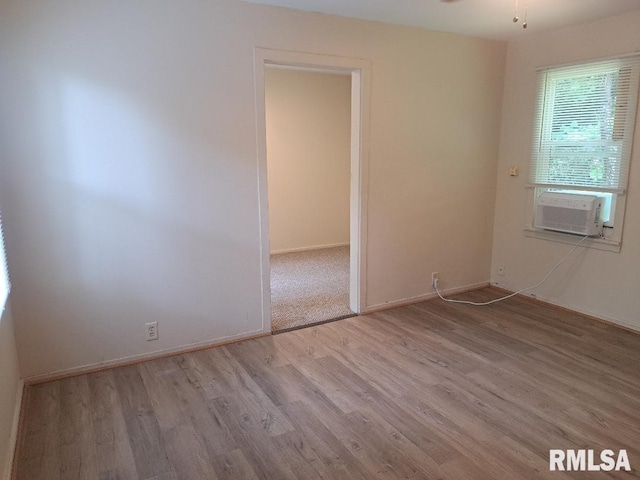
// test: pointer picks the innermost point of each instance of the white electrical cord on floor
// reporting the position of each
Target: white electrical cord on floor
(480, 304)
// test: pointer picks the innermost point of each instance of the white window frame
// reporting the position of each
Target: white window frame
(612, 236)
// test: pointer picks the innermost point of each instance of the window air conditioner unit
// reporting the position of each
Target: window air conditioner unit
(569, 213)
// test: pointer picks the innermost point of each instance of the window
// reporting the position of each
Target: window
(4, 276)
(583, 131)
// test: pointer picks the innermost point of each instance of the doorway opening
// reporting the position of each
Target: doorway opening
(287, 238)
(308, 127)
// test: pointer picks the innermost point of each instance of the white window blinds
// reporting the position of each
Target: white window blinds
(4, 276)
(584, 125)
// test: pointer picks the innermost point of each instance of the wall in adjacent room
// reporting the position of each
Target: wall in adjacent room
(591, 281)
(128, 138)
(308, 120)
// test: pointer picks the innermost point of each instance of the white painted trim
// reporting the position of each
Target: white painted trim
(13, 438)
(139, 357)
(324, 71)
(424, 297)
(360, 111)
(304, 249)
(360, 71)
(263, 192)
(569, 239)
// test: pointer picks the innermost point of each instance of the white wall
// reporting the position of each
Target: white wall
(592, 281)
(9, 393)
(128, 133)
(308, 124)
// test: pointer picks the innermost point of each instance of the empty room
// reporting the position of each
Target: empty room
(480, 179)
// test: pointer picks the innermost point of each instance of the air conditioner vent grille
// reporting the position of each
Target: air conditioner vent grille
(569, 213)
(565, 219)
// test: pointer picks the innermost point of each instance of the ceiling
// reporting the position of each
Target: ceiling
(477, 18)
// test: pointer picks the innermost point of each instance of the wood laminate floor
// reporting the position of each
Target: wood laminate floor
(429, 391)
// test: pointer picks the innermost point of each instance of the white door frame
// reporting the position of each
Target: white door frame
(360, 71)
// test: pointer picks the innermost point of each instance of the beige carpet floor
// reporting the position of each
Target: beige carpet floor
(309, 287)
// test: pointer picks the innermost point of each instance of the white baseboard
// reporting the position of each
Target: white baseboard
(130, 359)
(574, 308)
(315, 247)
(422, 298)
(13, 439)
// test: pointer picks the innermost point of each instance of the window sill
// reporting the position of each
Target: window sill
(597, 243)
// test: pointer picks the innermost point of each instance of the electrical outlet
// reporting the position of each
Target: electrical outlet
(501, 270)
(435, 277)
(151, 330)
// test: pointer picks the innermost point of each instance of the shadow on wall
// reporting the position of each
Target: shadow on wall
(120, 239)
(123, 193)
